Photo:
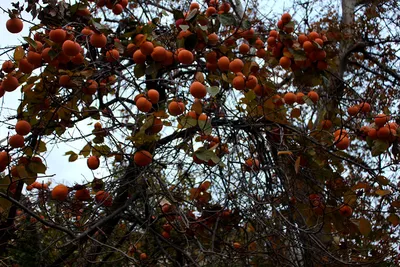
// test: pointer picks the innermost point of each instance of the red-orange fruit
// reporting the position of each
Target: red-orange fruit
(342, 142)
(202, 117)
(98, 40)
(223, 63)
(290, 98)
(353, 110)
(143, 104)
(273, 33)
(286, 18)
(64, 80)
(285, 62)
(34, 58)
(71, 48)
(157, 126)
(302, 38)
(112, 55)
(146, 48)
(16, 141)
(251, 82)
(143, 256)
(87, 31)
(326, 124)
(159, 53)
(117, 9)
(185, 57)
(224, 7)
(244, 49)
(23, 127)
(313, 96)
(320, 55)
(213, 39)
(138, 57)
(365, 107)
(383, 133)
(176, 108)
(313, 35)
(198, 90)
(308, 46)
(103, 198)
(10, 83)
(210, 11)
(14, 25)
(153, 95)
(340, 132)
(252, 164)
(142, 158)
(93, 162)
(194, 5)
(59, 192)
(91, 87)
(236, 65)
(7, 66)
(238, 82)
(82, 194)
(299, 98)
(58, 35)
(345, 210)
(379, 120)
(373, 133)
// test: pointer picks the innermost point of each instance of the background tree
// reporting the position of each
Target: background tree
(227, 134)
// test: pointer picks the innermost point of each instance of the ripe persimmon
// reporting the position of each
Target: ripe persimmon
(142, 158)
(34, 58)
(91, 87)
(379, 120)
(244, 49)
(342, 142)
(93, 162)
(308, 46)
(198, 90)
(78, 59)
(223, 63)
(176, 108)
(112, 55)
(251, 82)
(299, 98)
(7, 66)
(238, 82)
(64, 80)
(146, 48)
(153, 95)
(383, 133)
(103, 198)
(345, 210)
(236, 65)
(252, 164)
(14, 25)
(82, 194)
(139, 57)
(10, 83)
(290, 98)
(302, 38)
(98, 40)
(194, 5)
(117, 9)
(365, 107)
(159, 53)
(313, 35)
(313, 96)
(210, 11)
(143, 104)
(286, 17)
(70, 48)
(59, 192)
(58, 35)
(224, 7)
(213, 39)
(285, 62)
(23, 127)
(353, 110)
(185, 57)
(157, 126)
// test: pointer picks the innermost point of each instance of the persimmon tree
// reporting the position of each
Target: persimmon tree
(224, 132)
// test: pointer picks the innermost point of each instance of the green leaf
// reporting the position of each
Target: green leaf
(364, 226)
(192, 14)
(31, 42)
(139, 70)
(205, 126)
(250, 95)
(104, 150)
(187, 122)
(19, 53)
(213, 90)
(178, 14)
(73, 157)
(41, 147)
(204, 154)
(379, 147)
(86, 150)
(227, 19)
(37, 167)
(98, 26)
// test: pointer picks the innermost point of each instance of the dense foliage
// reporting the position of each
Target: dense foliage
(226, 134)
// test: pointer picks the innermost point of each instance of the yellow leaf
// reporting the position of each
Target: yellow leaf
(19, 53)
(364, 226)
(285, 153)
(383, 192)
